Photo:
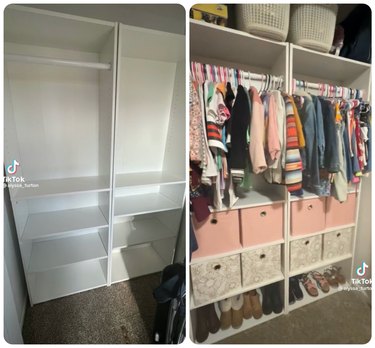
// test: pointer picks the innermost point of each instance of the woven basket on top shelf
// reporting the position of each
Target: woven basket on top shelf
(270, 21)
(313, 26)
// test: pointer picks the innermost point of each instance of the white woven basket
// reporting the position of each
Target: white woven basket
(266, 20)
(313, 26)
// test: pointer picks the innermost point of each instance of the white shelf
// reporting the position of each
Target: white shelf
(52, 29)
(239, 46)
(246, 324)
(68, 280)
(307, 299)
(56, 253)
(326, 66)
(49, 224)
(141, 231)
(143, 204)
(195, 260)
(320, 264)
(135, 262)
(331, 229)
(255, 199)
(310, 195)
(146, 179)
(238, 291)
(56, 187)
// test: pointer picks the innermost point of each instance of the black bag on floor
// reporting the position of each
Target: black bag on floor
(170, 317)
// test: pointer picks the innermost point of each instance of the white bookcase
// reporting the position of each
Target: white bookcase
(149, 166)
(236, 49)
(80, 96)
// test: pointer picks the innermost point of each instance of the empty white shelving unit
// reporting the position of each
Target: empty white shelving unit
(149, 182)
(62, 78)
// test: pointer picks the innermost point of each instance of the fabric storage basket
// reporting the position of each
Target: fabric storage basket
(337, 243)
(270, 21)
(261, 265)
(313, 26)
(216, 278)
(305, 252)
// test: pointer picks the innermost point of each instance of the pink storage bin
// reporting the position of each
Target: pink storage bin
(307, 216)
(338, 214)
(261, 225)
(220, 233)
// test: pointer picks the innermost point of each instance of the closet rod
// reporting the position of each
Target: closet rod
(301, 84)
(54, 61)
(228, 72)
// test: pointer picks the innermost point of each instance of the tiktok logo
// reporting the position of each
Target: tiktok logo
(361, 271)
(12, 168)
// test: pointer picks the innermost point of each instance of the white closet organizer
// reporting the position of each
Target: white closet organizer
(61, 83)
(149, 167)
(233, 264)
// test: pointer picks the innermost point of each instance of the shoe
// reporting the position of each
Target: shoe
(296, 290)
(277, 303)
(321, 281)
(212, 319)
(309, 286)
(255, 304)
(331, 279)
(336, 272)
(247, 309)
(237, 311)
(266, 303)
(201, 332)
(226, 313)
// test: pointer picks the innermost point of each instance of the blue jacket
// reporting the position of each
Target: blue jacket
(331, 155)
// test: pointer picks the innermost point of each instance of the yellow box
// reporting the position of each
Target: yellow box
(211, 13)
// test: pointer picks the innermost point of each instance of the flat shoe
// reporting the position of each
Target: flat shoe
(321, 281)
(309, 286)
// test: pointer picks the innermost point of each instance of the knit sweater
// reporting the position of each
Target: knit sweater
(293, 163)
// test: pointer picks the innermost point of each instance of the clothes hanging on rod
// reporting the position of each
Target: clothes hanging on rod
(206, 72)
(327, 90)
(235, 130)
(337, 149)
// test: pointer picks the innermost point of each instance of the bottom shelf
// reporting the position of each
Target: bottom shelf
(64, 281)
(246, 324)
(136, 261)
(307, 299)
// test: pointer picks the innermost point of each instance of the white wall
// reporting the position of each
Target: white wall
(164, 17)
(15, 293)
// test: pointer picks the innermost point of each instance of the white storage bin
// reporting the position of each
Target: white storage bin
(266, 20)
(261, 265)
(313, 25)
(305, 251)
(337, 243)
(214, 279)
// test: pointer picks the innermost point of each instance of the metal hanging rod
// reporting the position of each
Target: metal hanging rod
(200, 71)
(327, 90)
(55, 61)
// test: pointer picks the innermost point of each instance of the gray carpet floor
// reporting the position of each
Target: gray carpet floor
(344, 317)
(124, 313)
(121, 313)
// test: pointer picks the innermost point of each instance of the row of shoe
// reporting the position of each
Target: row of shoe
(235, 309)
(331, 277)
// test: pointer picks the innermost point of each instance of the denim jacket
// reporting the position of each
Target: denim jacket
(331, 155)
(311, 178)
(319, 130)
